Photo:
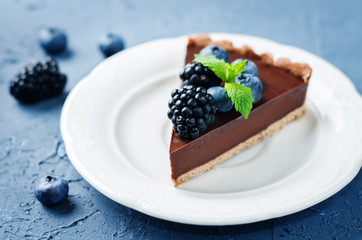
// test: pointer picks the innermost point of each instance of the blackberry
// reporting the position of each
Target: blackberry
(198, 75)
(38, 81)
(191, 110)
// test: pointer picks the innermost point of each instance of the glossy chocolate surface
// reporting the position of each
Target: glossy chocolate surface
(283, 92)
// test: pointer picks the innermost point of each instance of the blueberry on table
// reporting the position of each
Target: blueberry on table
(110, 44)
(253, 83)
(53, 40)
(250, 66)
(221, 99)
(51, 190)
(216, 51)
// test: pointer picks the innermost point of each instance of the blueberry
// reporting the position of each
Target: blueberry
(110, 44)
(53, 40)
(221, 99)
(216, 51)
(250, 67)
(51, 190)
(252, 82)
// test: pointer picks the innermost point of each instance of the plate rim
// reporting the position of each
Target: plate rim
(72, 156)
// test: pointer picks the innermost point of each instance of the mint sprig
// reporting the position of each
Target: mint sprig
(214, 64)
(240, 95)
(241, 98)
(223, 70)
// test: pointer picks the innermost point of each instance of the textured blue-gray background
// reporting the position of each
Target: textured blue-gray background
(31, 145)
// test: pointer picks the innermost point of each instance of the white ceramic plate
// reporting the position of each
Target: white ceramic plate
(116, 134)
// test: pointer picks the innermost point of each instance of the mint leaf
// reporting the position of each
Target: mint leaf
(223, 70)
(237, 69)
(241, 97)
(213, 63)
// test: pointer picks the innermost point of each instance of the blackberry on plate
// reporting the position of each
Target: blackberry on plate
(191, 110)
(38, 81)
(198, 75)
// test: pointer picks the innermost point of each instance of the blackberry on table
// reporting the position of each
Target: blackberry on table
(198, 75)
(38, 81)
(191, 110)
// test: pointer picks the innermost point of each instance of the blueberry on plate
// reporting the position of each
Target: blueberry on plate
(51, 190)
(110, 44)
(250, 67)
(221, 99)
(216, 51)
(53, 40)
(253, 83)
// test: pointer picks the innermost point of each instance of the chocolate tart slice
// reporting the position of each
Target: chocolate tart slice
(283, 101)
